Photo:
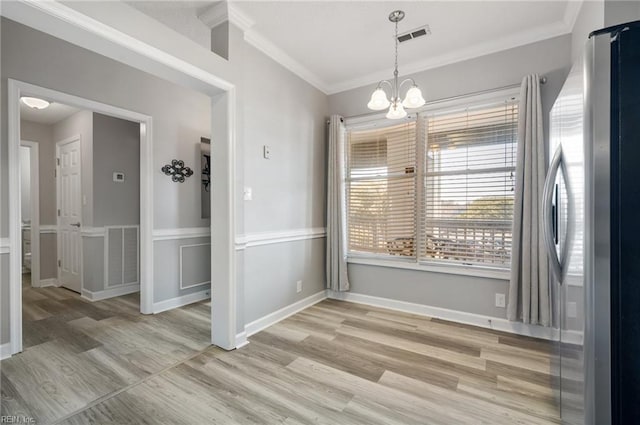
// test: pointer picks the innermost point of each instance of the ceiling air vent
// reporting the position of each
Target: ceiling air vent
(415, 33)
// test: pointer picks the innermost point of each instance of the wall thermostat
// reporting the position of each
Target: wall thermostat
(118, 177)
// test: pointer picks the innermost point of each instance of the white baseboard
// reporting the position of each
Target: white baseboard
(572, 337)
(479, 320)
(5, 350)
(48, 282)
(273, 318)
(241, 340)
(172, 303)
(110, 293)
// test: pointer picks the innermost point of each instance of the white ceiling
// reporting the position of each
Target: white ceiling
(338, 45)
(54, 113)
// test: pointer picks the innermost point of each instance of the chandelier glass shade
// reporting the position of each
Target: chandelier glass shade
(412, 99)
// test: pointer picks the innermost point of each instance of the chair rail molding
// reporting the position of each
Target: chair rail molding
(181, 233)
(92, 232)
(267, 238)
(5, 246)
(48, 229)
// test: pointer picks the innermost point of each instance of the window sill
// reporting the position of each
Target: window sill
(434, 268)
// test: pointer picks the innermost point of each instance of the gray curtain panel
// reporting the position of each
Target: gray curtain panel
(529, 295)
(337, 279)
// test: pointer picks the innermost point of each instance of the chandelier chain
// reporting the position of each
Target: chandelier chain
(395, 71)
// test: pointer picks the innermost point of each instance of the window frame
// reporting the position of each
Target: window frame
(378, 120)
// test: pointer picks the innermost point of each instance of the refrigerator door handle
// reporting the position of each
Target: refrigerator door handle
(557, 163)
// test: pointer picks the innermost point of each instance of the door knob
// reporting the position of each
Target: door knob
(75, 224)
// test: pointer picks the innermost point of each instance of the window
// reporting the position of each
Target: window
(436, 190)
(381, 190)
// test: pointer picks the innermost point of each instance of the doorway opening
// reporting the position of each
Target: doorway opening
(81, 220)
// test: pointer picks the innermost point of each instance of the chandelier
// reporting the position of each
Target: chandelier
(413, 97)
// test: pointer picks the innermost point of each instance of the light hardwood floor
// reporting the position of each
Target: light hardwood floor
(333, 363)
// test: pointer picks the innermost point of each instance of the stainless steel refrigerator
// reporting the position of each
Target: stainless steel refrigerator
(592, 230)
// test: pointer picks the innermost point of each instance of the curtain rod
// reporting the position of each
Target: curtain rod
(543, 80)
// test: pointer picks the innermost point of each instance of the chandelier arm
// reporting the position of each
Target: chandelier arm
(385, 81)
(408, 80)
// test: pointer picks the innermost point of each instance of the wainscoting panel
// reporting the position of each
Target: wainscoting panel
(195, 265)
(122, 255)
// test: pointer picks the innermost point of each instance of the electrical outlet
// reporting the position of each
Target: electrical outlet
(572, 310)
(501, 300)
(299, 286)
(266, 152)
(248, 194)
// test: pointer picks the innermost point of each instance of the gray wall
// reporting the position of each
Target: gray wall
(284, 264)
(621, 11)
(550, 58)
(181, 117)
(288, 189)
(167, 267)
(116, 148)
(42, 134)
(276, 108)
(280, 110)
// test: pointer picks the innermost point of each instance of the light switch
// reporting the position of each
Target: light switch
(266, 152)
(248, 194)
(118, 177)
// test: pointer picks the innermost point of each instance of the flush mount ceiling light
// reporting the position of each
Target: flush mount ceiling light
(413, 97)
(35, 103)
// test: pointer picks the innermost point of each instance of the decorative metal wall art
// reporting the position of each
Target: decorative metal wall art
(205, 162)
(177, 171)
(205, 146)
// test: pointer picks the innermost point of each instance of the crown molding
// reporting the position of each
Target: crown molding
(239, 18)
(481, 49)
(215, 15)
(225, 11)
(261, 43)
(222, 12)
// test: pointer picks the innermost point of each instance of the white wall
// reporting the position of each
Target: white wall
(550, 58)
(590, 18)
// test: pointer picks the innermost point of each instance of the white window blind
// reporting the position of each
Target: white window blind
(469, 179)
(438, 189)
(381, 190)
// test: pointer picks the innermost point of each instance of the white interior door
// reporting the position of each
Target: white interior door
(69, 214)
